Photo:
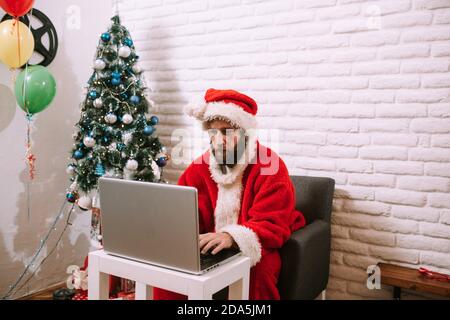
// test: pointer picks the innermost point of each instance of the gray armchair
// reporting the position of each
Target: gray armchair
(306, 255)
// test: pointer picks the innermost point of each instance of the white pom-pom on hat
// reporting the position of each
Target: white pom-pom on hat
(196, 108)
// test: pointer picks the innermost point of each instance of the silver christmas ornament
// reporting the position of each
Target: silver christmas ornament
(98, 102)
(111, 118)
(89, 142)
(112, 146)
(70, 170)
(126, 138)
(136, 68)
(127, 118)
(132, 165)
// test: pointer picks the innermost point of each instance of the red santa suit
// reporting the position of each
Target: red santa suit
(254, 201)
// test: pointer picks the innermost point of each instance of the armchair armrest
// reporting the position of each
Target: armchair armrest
(306, 262)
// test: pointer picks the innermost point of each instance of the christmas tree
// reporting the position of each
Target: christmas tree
(116, 133)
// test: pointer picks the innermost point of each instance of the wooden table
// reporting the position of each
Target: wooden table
(406, 278)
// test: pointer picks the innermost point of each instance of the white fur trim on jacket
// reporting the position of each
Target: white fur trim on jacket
(228, 205)
(247, 240)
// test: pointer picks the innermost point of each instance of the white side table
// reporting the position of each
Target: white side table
(235, 274)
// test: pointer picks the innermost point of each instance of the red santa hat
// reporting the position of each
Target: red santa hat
(230, 105)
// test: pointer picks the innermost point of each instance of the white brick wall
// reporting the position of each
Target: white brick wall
(359, 91)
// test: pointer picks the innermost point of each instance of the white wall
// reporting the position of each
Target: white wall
(20, 235)
(359, 91)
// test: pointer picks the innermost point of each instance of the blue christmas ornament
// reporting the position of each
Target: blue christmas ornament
(99, 170)
(115, 81)
(120, 146)
(124, 95)
(93, 94)
(128, 42)
(78, 154)
(106, 37)
(154, 120)
(161, 162)
(106, 139)
(134, 99)
(148, 130)
(71, 197)
(115, 74)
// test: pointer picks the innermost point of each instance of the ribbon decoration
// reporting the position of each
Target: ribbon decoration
(434, 275)
(30, 157)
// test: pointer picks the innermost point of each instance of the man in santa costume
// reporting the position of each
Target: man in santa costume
(245, 196)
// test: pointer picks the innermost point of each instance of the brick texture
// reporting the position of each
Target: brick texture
(356, 90)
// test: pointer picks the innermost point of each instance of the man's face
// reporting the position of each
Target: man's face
(227, 142)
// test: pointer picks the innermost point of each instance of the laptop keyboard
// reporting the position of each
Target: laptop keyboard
(208, 260)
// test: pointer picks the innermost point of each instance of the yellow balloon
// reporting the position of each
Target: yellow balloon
(15, 37)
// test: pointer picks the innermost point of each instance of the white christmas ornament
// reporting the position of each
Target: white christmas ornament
(112, 146)
(111, 118)
(98, 102)
(127, 118)
(85, 202)
(136, 68)
(132, 165)
(156, 170)
(99, 64)
(70, 170)
(89, 142)
(124, 51)
(127, 137)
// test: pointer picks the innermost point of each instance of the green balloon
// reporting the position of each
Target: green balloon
(36, 90)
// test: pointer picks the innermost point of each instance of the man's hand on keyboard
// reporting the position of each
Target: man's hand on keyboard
(216, 240)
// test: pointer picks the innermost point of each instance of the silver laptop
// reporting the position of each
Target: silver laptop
(155, 223)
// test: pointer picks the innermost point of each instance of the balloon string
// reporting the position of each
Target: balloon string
(24, 89)
(13, 77)
(18, 37)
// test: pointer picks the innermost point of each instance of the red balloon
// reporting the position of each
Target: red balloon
(16, 8)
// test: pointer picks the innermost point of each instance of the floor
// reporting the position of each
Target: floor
(46, 294)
